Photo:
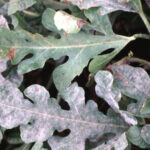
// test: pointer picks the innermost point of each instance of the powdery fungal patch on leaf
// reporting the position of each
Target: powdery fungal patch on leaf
(18, 5)
(45, 115)
(145, 133)
(123, 1)
(108, 6)
(105, 89)
(148, 2)
(134, 82)
(3, 22)
(81, 23)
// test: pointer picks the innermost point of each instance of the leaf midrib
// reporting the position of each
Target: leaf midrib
(66, 47)
(63, 118)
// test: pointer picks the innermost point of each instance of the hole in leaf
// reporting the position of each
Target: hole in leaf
(46, 145)
(107, 51)
(90, 144)
(27, 40)
(31, 122)
(28, 56)
(25, 97)
(64, 105)
(40, 76)
(9, 136)
(57, 36)
(67, 10)
(103, 106)
(62, 60)
(63, 133)
(9, 67)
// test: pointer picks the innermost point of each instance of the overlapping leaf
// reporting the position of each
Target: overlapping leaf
(104, 89)
(117, 143)
(79, 49)
(18, 5)
(135, 83)
(100, 61)
(148, 2)
(98, 22)
(135, 137)
(109, 5)
(3, 22)
(39, 120)
(102, 25)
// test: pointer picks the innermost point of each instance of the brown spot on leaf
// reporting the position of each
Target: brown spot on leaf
(118, 74)
(109, 67)
(37, 89)
(65, 34)
(11, 53)
(51, 45)
(3, 26)
(66, 1)
(3, 22)
(33, 36)
(144, 129)
(122, 1)
(1, 50)
(80, 1)
(94, 4)
(125, 84)
(98, 12)
(81, 23)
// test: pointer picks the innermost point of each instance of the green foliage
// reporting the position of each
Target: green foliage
(80, 42)
(77, 47)
(134, 136)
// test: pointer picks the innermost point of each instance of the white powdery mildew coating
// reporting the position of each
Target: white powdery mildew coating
(10, 97)
(111, 95)
(145, 133)
(39, 120)
(117, 143)
(104, 80)
(128, 118)
(3, 22)
(133, 82)
(3, 64)
(107, 6)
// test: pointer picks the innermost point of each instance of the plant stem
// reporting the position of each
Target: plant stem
(30, 13)
(56, 4)
(144, 36)
(144, 18)
(133, 59)
(50, 81)
(58, 98)
(139, 60)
